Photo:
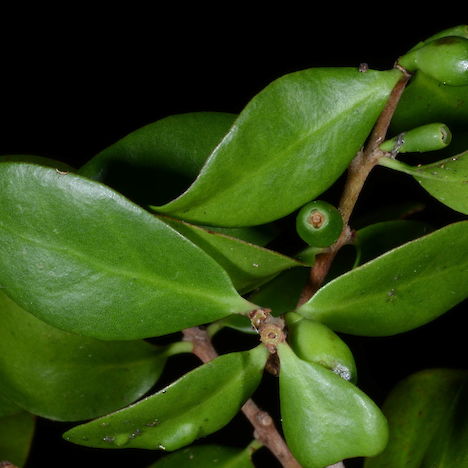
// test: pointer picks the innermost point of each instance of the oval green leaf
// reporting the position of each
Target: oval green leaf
(426, 100)
(16, 433)
(446, 180)
(247, 265)
(198, 404)
(67, 377)
(83, 258)
(206, 456)
(159, 161)
(325, 418)
(420, 411)
(378, 238)
(296, 137)
(400, 290)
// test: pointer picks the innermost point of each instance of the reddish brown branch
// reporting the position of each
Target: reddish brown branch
(265, 430)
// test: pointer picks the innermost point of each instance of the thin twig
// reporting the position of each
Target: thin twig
(265, 430)
(358, 171)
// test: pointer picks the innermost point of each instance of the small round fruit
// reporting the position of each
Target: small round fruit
(314, 342)
(319, 224)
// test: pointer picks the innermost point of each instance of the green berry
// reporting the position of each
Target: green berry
(319, 224)
(314, 342)
(444, 59)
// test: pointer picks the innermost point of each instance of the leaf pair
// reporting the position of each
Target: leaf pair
(199, 403)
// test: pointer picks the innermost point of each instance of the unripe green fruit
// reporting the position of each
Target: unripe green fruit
(314, 342)
(319, 224)
(428, 137)
(444, 59)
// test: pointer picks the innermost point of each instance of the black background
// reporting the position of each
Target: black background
(73, 82)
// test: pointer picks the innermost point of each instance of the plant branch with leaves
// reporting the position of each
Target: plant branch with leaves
(164, 240)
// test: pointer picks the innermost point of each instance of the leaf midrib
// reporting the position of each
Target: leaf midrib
(168, 285)
(280, 155)
(342, 305)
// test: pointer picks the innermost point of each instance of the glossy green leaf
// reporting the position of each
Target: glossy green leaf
(258, 235)
(446, 180)
(83, 258)
(199, 403)
(444, 58)
(16, 433)
(325, 418)
(247, 265)
(62, 376)
(426, 100)
(378, 238)
(400, 290)
(421, 410)
(314, 342)
(159, 161)
(206, 456)
(296, 137)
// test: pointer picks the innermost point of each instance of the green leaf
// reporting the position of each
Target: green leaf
(296, 137)
(16, 433)
(427, 414)
(426, 100)
(400, 290)
(376, 239)
(206, 456)
(67, 377)
(248, 265)
(325, 418)
(83, 258)
(446, 180)
(159, 161)
(198, 404)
